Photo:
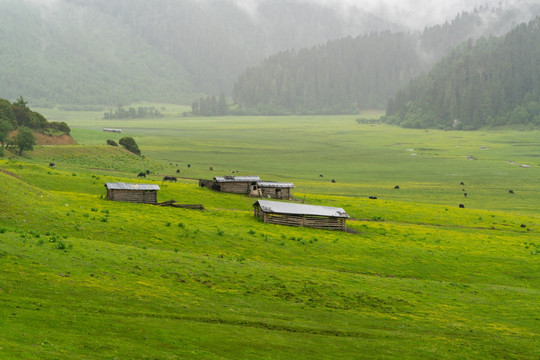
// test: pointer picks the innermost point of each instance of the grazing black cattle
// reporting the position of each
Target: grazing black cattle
(147, 172)
(462, 183)
(141, 174)
(178, 171)
(321, 175)
(396, 187)
(333, 181)
(51, 165)
(373, 197)
(169, 178)
(465, 194)
(462, 206)
(511, 192)
(188, 165)
(523, 225)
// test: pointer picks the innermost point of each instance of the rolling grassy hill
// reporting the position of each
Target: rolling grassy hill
(83, 277)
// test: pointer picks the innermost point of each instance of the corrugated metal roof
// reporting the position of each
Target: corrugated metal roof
(278, 207)
(124, 186)
(237, 179)
(271, 184)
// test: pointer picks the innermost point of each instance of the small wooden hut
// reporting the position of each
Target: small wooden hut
(319, 217)
(232, 184)
(274, 190)
(136, 193)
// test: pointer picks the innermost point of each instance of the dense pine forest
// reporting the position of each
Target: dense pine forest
(351, 74)
(319, 58)
(489, 82)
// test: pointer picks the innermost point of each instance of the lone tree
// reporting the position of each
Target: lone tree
(130, 145)
(24, 140)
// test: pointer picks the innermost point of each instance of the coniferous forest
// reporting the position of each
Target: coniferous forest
(488, 82)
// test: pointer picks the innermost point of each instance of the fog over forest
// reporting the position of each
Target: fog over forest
(109, 52)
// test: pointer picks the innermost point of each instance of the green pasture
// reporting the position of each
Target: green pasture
(419, 278)
(364, 160)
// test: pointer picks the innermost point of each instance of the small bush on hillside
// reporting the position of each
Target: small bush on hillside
(60, 126)
(111, 143)
(130, 145)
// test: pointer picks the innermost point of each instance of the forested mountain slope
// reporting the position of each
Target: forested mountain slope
(63, 54)
(363, 72)
(489, 82)
(122, 51)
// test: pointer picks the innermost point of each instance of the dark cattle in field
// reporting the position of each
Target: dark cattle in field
(396, 187)
(141, 174)
(321, 175)
(178, 171)
(462, 206)
(373, 197)
(333, 181)
(51, 165)
(465, 194)
(188, 165)
(511, 192)
(169, 178)
(462, 183)
(147, 172)
(523, 225)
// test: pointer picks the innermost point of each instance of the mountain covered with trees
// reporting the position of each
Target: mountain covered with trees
(488, 82)
(123, 51)
(364, 72)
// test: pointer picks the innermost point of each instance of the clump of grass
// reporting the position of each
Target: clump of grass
(251, 232)
(181, 225)
(168, 224)
(220, 232)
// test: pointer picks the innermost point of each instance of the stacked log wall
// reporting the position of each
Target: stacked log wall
(144, 196)
(317, 222)
(235, 187)
(271, 193)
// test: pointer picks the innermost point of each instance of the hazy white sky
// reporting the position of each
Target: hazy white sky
(411, 13)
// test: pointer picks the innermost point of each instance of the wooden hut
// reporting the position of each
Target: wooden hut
(137, 193)
(274, 190)
(232, 184)
(319, 217)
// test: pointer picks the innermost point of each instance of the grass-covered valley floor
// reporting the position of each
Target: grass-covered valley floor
(83, 277)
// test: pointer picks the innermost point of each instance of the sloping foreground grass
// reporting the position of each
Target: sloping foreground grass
(82, 277)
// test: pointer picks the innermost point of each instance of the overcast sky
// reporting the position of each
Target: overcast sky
(414, 14)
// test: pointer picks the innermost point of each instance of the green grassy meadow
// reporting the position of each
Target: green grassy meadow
(87, 278)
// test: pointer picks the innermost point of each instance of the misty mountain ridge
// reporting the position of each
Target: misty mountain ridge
(111, 52)
(489, 82)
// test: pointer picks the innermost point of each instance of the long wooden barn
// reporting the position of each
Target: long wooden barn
(319, 217)
(232, 184)
(274, 190)
(136, 193)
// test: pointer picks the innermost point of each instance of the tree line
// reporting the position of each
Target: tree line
(352, 74)
(488, 82)
(132, 113)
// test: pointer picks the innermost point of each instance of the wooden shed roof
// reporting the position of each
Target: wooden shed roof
(237, 179)
(278, 207)
(135, 187)
(271, 184)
